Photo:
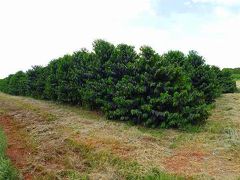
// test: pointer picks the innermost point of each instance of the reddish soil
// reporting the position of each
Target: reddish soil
(17, 150)
(185, 161)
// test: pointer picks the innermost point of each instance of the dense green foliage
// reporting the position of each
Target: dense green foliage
(172, 90)
(225, 78)
(235, 72)
(7, 171)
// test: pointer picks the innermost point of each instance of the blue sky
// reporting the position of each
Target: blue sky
(33, 32)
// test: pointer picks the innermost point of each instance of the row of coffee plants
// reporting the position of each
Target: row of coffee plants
(169, 90)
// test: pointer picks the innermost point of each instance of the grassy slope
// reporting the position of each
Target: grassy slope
(74, 143)
(58, 154)
(6, 169)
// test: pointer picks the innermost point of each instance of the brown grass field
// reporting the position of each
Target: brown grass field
(54, 141)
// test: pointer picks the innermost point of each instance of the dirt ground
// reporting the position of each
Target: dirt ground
(54, 141)
(17, 150)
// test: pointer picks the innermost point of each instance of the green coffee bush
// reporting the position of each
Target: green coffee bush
(172, 90)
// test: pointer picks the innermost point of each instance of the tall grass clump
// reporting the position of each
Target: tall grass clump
(169, 90)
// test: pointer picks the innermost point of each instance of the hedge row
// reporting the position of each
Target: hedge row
(171, 90)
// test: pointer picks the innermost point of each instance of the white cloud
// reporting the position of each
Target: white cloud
(222, 2)
(222, 12)
(34, 32)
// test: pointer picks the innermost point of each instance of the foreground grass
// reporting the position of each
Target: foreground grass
(126, 169)
(79, 159)
(7, 171)
(91, 147)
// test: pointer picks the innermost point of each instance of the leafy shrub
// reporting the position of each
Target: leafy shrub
(36, 79)
(225, 79)
(172, 90)
(203, 77)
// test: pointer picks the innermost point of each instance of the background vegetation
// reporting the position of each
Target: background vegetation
(235, 72)
(169, 90)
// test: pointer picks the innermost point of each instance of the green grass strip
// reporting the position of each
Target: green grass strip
(7, 171)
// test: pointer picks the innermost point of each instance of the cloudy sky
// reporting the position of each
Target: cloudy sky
(33, 32)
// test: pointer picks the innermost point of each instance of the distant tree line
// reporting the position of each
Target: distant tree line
(169, 90)
(234, 71)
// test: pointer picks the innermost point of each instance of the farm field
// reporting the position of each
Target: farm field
(54, 141)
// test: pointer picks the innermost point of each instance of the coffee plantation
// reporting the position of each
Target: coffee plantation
(170, 90)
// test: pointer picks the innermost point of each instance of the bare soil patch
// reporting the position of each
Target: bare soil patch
(17, 149)
(185, 161)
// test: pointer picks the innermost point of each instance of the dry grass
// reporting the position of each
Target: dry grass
(238, 85)
(81, 144)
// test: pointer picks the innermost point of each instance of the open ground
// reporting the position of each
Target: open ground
(55, 141)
